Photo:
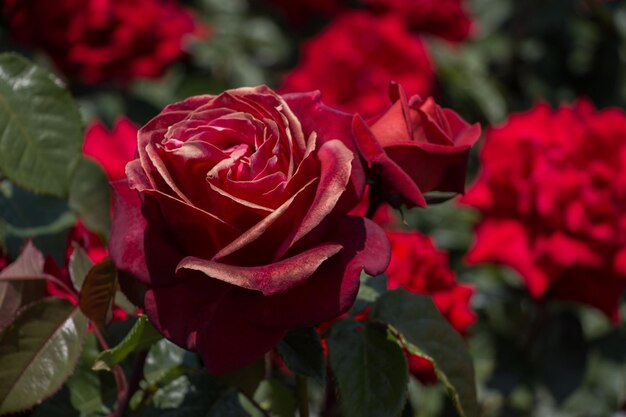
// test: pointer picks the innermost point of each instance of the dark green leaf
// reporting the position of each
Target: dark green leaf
(38, 352)
(370, 369)
(79, 266)
(141, 337)
(40, 128)
(303, 353)
(428, 334)
(98, 292)
(275, 397)
(15, 294)
(44, 219)
(197, 395)
(90, 197)
(84, 385)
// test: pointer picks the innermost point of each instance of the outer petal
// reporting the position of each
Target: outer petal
(393, 178)
(209, 321)
(432, 168)
(132, 236)
(269, 279)
(331, 291)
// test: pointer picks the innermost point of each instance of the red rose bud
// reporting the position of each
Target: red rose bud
(353, 59)
(414, 148)
(235, 216)
(103, 41)
(552, 194)
(419, 267)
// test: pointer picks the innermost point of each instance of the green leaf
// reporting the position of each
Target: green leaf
(370, 369)
(41, 131)
(429, 335)
(15, 294)
(38, 352)
(197, 395)
(98, 292)
(141, 337)
(90, 197)
(275, 397)
(44, 219)
(79, 266)
(84, 385)
(302, 352)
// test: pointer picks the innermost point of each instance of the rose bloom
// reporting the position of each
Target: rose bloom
(447, 19)
(103, 40)
(552, 194)
(414, 148)
(235, 217)
(419, 267)
(111, 149)
(353, 60)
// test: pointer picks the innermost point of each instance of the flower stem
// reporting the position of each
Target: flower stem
(302, 391)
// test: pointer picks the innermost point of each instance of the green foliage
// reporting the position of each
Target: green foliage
(38, 352)
(275, 397)
(79, 266)
(141, 337)
(44, 219)
(90, 197)
(427, 334)
(370, 369)
(302, 352)
(41, 128)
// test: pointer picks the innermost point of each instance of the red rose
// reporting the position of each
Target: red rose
(112, 149)
(353, 60)
(236, 221)
(443, 18)
(416, 147)
(100, 41)
(552, 193)
(417, 266)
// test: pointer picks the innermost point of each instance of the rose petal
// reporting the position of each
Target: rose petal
(332, 289)
(270, 279)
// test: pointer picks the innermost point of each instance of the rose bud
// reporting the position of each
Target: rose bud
(414, 148)
(235, 216)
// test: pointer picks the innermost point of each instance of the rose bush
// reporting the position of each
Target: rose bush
(414, 148)
(234, 216)
(363, 53)
(419, 267)
(103, 41)
(552, 194)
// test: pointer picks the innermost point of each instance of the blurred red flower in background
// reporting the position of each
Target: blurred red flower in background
(112, 149)
(103, 40)
(447, 19)
(353, 60)
(552, 193)
(419, 267)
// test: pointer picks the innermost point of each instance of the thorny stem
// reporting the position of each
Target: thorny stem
(302, 391)
(133, 385)
(118, 374)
